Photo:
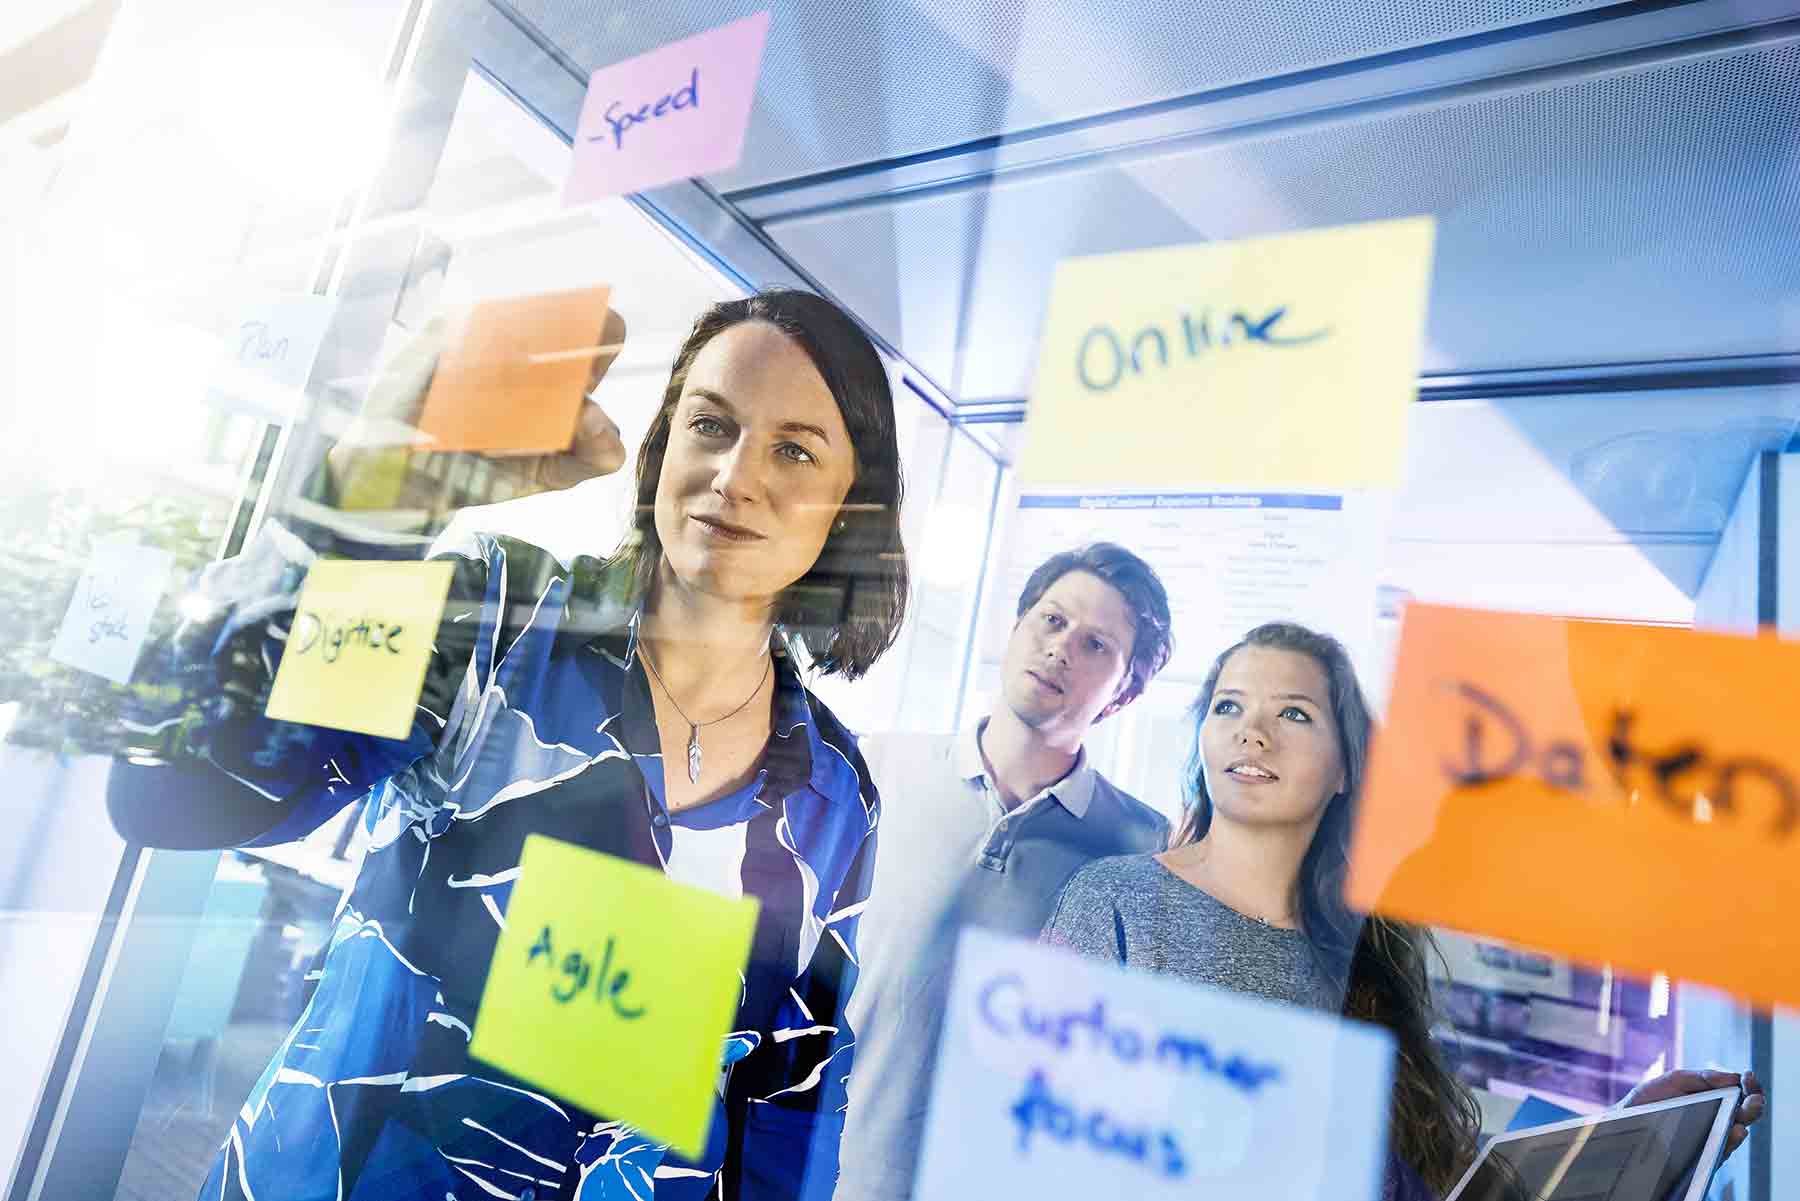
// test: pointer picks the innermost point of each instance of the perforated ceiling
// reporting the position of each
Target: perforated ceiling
(1647, 214)
(850, 83)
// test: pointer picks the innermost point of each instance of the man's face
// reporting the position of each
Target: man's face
(1069, 655)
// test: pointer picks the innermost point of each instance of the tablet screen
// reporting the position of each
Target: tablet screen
(1633, 1157)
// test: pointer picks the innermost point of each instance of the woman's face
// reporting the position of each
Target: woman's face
(757, 466)
(1269, 741)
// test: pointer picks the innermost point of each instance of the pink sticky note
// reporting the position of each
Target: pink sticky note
(675, 112)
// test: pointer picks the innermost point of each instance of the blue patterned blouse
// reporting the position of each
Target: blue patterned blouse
(535, 718)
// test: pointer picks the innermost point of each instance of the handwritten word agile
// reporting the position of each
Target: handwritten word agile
(330, 638)
(577, 970)
(1040, 1110)
(619, 118)
(1010, 1013)
(1103, 356)
(1497, 746)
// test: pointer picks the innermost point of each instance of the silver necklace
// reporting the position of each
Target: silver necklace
(693, 746)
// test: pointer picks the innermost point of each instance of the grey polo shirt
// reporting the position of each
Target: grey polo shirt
(949, 855)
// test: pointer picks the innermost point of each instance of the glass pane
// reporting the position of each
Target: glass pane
(304, 288)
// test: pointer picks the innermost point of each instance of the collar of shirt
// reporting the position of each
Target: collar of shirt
(1074, 792)
(795, 756)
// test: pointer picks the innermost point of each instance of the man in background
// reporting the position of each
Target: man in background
(985, 827)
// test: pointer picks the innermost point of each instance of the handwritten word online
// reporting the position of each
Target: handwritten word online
(1104, 355)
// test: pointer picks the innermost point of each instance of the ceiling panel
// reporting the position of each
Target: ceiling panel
(1639, 214)
(846, 84)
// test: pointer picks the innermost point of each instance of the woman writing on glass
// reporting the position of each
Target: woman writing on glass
(645, 706)
(1250, 895)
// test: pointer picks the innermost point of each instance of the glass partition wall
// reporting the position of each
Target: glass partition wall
(237, 311)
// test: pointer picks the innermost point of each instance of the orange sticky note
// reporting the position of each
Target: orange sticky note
(514, 374)
(1614, 793)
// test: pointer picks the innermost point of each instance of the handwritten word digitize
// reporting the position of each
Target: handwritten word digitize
(359, 645)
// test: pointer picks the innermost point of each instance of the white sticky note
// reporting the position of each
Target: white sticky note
(1061, 1077)
(269, 355)
(109, 615)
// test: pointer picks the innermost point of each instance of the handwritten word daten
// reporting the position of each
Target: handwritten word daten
(1062, 1077)
(1640, 774)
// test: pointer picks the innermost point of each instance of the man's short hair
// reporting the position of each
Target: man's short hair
(1137, 582)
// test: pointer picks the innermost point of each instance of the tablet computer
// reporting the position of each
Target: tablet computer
(1665, 1151)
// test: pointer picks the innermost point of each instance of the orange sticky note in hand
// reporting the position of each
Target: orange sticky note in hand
(514, 374)
(1615, 793)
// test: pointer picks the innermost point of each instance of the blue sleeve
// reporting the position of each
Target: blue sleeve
(210, 770)
(839, 952)
(791, 1144)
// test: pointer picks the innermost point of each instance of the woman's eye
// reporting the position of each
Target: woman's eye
(707, 427)
(1052, 620)
(1097, 646)
(795, 454)
(1224, 708)
(1295, 714)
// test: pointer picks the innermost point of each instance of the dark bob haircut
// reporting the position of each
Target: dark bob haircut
(1137, 582)
(848, 608)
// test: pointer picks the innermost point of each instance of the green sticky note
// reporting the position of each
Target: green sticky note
(613, 987)
(356, 654)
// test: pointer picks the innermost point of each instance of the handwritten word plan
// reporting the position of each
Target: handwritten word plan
(1274, 363)
(614, 988)
(269, 355)
(359, 645)
(676, 112)
(1614, 765)
(109, 616)
(1060, 1077)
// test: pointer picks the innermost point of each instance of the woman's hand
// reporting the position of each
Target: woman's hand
(597, 450)
(1670, 1085)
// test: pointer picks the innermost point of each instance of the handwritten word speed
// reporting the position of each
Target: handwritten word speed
(620, 116)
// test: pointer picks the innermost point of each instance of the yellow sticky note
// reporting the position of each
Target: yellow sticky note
(1283, 361)
(613, 987)
(356, 655)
